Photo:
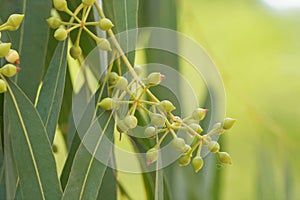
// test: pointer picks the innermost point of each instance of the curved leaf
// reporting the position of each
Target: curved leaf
(87, 172)
(31, 148)
(51, 94)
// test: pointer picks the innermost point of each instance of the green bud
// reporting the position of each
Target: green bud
(122, 83)
(199, 114)
(9, 70)
(104, 44)
(54, 22)
(3, 87)
(228, 123)
(88, 2)
(224, 158)
(157, 119)
(197, 163)
(154, 78)
(113, 76)
(75, 52)
(13, 22)
(106, 103)
(213, 146)
(61, 34)
(138, 70)
(4, 49)
(121, 126)
(196, 127)
(187, 148)
(13, 56)
(167, 106)
(179, 144)
(150, 131)
(151, 156)
(206, 140)
(130, 121)
(105, 24)
(184, 160)
(60, 5)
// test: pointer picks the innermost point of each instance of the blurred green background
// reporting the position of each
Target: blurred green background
(256, 47)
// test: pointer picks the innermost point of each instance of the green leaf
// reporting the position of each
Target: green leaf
(31, 148)
(87, 171)
(33, 45)
(108, 189)
(51, 94)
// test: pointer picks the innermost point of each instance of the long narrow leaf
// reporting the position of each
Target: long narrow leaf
(51, 95)
(31, 148)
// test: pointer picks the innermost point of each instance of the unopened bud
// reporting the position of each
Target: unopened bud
(157, 119)
(179, 144)
(196, 127)
(13, 22)
(113, 76)
(13, 56)
(213, 146)
(88, 2)
(130, 121)
(184, 160)
(228, 123)
(9, 70)
(3, 87)
(151, 156)
(53, 22)
(121, 126)
(197, 163)
(106, 103)
(138, 69)
(61, 34)
(154, 78)
(4, 49)
(75, 52)
(167, 106)
(224, 158)
(60, 5)
(105, 24)
(199, 114)
(150, 131)
(104, 44)
(121, 83)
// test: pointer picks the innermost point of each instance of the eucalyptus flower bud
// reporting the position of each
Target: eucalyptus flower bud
(150, 131)
(88, 2)
(14, 21)
(179, 144)
(121, 83)
(61, 34)
(13, 56)
(138, 69)
(199, 114)
(75, 52)
(105, 24)
(154, 78)
(184, 160)
(9, 70)
(167, 106)
(151, 156)
(4, 49)
(196, 127)
(213, 146)
(197, 163)
(224, 158)
(130, 121)
(113, 76)
(157, 119)
(3, 87)
(106, 103)
(60, 5)
(121, 126)
(104, 44)
(53, 22)
(228, 123)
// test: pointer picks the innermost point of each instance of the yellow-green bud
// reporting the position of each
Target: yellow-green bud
(138, 70)
(75, 52)
(154, 78)
(121, 126)
(130, 121)
(106, 103)
(60, 5)
(61, 34)
(184, 160)
(13, 56)
(150, 131)
(197, 163)
(113, 76)
(157, 119)
(3, 87)
(206, 140)
(4, 49)
(121, 83)
(54, 22)
(213, 146)
(228, 123)
(88, 2)
(104, 44)
(9, 70)
(151, 156)
(196, 127)
(167, 106)
(199, 114)
(187, 148)
(105, 24)
(13, 22)
(224, 158)
(179, 144)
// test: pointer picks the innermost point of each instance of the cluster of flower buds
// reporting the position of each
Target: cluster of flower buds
(11, 56)
(161, 120)
(64, 28)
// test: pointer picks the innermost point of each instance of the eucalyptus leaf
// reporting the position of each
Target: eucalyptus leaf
(31, 147)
